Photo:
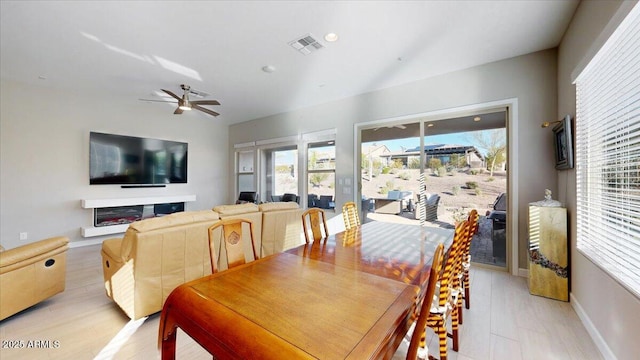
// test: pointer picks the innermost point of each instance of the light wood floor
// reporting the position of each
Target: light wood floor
(504, 322)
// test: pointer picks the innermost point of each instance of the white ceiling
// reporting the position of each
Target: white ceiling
(136, 48)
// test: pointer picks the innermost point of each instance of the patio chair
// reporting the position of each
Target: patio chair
(287, 197)
(498, 217)
(430, 206)
(247, 197)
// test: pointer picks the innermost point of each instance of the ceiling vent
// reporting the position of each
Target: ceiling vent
(306, 44)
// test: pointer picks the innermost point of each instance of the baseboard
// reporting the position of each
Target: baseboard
(523, 273)
(591, 329)
(76, 244)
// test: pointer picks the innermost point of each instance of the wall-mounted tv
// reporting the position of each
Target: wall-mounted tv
(128, 160)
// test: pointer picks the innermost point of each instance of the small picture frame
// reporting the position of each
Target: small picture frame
(563, 141)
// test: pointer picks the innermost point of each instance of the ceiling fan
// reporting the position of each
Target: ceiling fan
(392, 126)
(185, 104)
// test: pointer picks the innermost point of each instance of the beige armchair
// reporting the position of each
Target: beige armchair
(154, 257)
(31, 273)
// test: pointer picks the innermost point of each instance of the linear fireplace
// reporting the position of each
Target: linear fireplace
(119, 215)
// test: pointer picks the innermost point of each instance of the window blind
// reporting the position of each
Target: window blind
(608, 156)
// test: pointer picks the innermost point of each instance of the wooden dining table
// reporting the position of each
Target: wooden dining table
(349, 296)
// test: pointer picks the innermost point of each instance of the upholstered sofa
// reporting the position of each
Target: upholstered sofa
(157, 255)
(154, 257)
(281, 226)
(31, 273)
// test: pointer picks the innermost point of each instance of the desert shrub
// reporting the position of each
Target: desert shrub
(490, 179)
(460, 215)
(455, 190)
(386, 170)
(434, 164)
(442, 171)
(388, 186)
(478, 191)
(471, 184)
(376, 172)
(474, 171)
(397, 164)
(404, 176)
(414, 163)
(317, 179)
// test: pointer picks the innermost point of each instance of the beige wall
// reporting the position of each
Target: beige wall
(531, 79)
(611, 312)
(44, 144)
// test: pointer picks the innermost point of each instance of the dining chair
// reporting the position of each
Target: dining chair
(350, 215)
(312, 218)
(466, 256)
(231, 236)
(457, 286)
(418, 343)
(445, 306)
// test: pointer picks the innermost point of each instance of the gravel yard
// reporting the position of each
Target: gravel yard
(466, 198)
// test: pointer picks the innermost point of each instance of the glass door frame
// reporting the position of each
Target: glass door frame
(511, 106)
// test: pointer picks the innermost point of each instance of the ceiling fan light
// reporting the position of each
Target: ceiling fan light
(184, 104)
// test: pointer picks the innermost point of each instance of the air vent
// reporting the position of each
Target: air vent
(306, 44)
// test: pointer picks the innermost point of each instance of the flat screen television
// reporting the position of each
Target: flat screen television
(129, 160)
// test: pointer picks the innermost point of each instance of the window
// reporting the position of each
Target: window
(608, 156)
(244, 171)
(281, 171)
(321, 172)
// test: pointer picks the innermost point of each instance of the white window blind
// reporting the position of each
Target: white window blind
(608, 156)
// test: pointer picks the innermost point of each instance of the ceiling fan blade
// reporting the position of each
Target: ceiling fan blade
(210, 112)
(178, 111)
(205, 102)
(162, 101)
(172, 94)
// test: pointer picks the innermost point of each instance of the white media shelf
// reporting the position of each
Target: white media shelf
(117, 229)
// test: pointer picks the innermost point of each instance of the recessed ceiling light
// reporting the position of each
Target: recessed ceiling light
(476, 119)
(269, 68)
(42, 77)
(331, 37)
(430, 125)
